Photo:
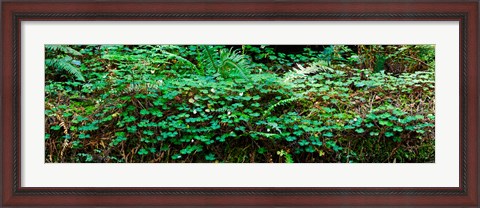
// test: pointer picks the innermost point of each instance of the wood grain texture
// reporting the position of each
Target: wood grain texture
(466, 12)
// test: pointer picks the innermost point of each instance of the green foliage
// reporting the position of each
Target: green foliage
(57, 57)
(168, 103)
(62, 49)
(227, 63)
(379, 63)
(286, 155)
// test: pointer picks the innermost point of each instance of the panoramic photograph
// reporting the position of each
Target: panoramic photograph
(239, 104)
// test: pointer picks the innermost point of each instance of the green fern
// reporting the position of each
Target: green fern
(180, 59)
(207, 60)
(233, 63)
(288, 158)
(266, 135)
(320, 66)
(65, 64)
(286, 155)
(280, 103)
(56, 56)
(227, 63)
(379, 63)
(62, 48)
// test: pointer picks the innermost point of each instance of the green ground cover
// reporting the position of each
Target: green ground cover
(239, 104)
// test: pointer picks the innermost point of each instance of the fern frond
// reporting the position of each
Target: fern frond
(238, 63)
(62, 48)
(320, 66)
(208, 61)
(64, 64)
(288, 158)
(266, 135)
(228, 63)
(280, 103)
(180, 59)
(274, 126)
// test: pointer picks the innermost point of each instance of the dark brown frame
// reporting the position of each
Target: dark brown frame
(12, 13)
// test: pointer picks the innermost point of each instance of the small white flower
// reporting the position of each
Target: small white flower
(366, 75)
(151, 71)
(192, 141)
(212, 90)
(228, 113)
(355, 119)
(268, 130)
(338, 120)
(195, 111)
(241, 93)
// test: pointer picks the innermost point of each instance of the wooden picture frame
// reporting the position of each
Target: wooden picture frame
(13, 13)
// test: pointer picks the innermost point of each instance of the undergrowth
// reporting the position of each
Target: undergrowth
(166, 103)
